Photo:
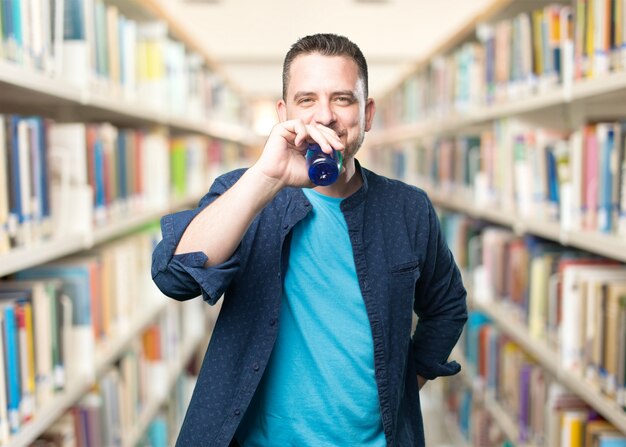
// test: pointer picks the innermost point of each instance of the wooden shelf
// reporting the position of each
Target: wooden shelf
(549, 360)
(23, 85)
(25, 91)
(40, 252)
(611, 246)
(128, 224)
(591, 88)
(610, 87)
(55, 248)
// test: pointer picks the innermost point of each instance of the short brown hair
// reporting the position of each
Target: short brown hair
(326, 45)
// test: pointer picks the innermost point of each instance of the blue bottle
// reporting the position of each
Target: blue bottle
(323, 168)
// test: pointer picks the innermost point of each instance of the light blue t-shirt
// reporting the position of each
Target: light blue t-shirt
(319, 387)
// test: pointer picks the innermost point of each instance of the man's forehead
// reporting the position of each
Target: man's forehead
(311, 70)
(318, 58)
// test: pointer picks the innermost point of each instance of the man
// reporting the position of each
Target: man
(313, 343)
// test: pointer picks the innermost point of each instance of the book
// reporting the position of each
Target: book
(12, 366)
(43, 296)
(4, 189)
(76, 277)
(594, 428)
(611, 332)
(591, 173)
(575, 329)
(75, 48)
(4, 417)
(621, 355)
(606, 175)
(541, 265)
(70, 195)
(573, 428)
(24, 318)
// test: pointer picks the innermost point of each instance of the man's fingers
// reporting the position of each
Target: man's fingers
(331, 136)
(301, 133)
(298, 133)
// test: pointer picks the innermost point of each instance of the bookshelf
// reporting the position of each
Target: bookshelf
(549, 360)
(610, 90)
(148, 413)
(487, 401)
(601, 244)
(26, 91)
(124, 99)
(104, 359)
(44, 251)
(451, 127)
(116, 229)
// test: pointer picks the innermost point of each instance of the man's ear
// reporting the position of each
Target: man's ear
(370, 110)
(281, 109)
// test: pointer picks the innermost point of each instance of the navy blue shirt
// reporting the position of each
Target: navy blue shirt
(403, 265)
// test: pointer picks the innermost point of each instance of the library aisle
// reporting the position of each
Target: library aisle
(114, 113)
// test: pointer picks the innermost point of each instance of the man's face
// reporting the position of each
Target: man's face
(327, 90)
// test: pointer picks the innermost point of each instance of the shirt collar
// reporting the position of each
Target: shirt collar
(359, 196)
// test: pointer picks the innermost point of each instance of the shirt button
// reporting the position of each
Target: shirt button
(237, 412)
(273, 322)
(285, 226)
(255, 367)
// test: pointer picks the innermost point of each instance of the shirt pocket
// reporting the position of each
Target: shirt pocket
(402, 279)
(401, 282)
(409, 269)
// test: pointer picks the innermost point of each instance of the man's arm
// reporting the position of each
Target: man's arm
(440, 304)
(219, 228)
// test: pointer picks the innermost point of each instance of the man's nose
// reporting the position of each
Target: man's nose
(324, 114)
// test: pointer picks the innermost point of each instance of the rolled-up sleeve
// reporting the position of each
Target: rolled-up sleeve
(440, 304)
(185, 276)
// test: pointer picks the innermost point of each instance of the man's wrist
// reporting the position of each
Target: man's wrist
(266, 186)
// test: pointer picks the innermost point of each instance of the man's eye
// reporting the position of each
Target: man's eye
(344, 99)
(305, 100)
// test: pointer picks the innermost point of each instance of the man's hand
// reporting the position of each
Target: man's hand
(283, 157)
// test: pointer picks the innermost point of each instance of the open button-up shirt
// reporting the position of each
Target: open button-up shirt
(403, 266)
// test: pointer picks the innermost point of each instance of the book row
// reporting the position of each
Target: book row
(94, 45)
(512, 58)
(56, 318)
(504, 379)
(576, 179)
(572, 301)
(60, 178)
(111, 411)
